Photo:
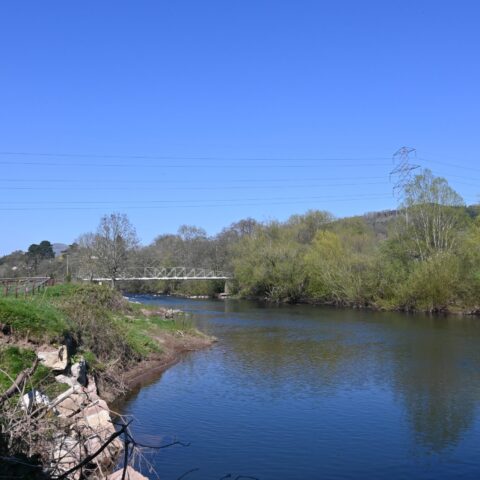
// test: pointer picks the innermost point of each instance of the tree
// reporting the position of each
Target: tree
(270, 264)
(114, 239)
(433, 213)
(308, 224)
(37, 253)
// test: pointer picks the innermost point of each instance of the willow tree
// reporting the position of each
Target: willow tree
(434, 214)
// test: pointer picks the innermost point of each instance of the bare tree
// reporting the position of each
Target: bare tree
(110, 246)
(435, 213)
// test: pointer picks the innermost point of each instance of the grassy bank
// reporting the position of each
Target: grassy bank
(118, 339)
(112, 334)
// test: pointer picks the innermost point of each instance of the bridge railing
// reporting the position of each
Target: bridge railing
(165, 273)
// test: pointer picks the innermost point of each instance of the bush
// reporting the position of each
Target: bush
(433, 285)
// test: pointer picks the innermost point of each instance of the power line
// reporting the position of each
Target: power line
(180, 166)
(112, 180)
(171, 201)
(176, 157)
(192, 188)
(221, 158)
(461, 167)
(175, 204)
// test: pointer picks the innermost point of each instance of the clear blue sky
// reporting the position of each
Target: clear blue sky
(206, 112)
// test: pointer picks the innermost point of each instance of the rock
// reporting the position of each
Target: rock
(67, 454)
(99, 421)
(162, 312)
(92, 445)
(34, 398)
(70, 405)
(55, 359)
(65, 379)
(97, 428)
(79, 372)
(92, 409)
(130, 474)
(71, 401)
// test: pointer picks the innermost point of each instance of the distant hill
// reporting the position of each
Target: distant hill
(58, 248)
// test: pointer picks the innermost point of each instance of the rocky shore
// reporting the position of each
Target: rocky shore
(77, 432)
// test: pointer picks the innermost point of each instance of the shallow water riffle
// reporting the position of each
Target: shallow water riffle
(296, 392)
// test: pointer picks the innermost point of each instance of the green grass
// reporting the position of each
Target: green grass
(103, 326)
(137, 335)
(32, 317)
(14, 359)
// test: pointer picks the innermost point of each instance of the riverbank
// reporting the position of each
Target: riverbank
(429, 305)
(174, 349)
(70, 349)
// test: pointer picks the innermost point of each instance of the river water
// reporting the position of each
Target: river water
(301, 392)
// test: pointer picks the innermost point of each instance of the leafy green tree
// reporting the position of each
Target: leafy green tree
(338, 267)
(304, 227)
(36, 253)
(270, 264)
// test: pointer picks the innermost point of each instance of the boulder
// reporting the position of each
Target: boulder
(54, 359)
(67, 454)
(70, 405)
(71, 401)
(96, 425)
(95, 407)
(62, 378)
(92, 445)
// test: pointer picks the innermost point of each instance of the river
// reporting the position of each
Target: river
(297, 392)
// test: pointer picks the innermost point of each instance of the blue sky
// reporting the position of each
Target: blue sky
(189, 112)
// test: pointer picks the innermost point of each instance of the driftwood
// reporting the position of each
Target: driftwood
(17, 385)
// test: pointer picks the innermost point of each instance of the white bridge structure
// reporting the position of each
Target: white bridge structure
(164, 273)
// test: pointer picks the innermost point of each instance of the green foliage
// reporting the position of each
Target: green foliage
(208, 288)
(270, 264)
(338, 266)
(433, 284)
(426, 258)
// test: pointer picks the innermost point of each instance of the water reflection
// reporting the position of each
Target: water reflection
(436, 373)
(392, 387)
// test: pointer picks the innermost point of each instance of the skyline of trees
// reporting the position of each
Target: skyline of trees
(424, 256)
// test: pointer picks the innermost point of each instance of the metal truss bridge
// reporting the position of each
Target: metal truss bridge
(165, 273)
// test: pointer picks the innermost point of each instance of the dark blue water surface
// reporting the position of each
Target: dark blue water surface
(301, 392)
